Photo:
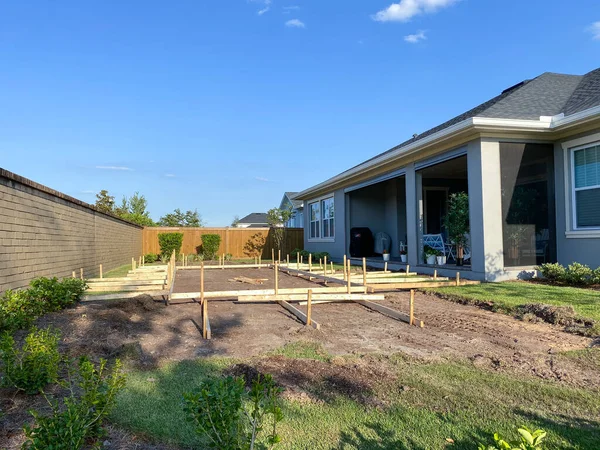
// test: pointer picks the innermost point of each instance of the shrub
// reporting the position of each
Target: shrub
(55, 295)
(210, 245)
(530, 440)
(150, 258)
(169, 242)
(33, 366)
(232, 418)
(228, 257)
(79, 419)
(553, 271)
(579, 274)
(305, 253)
(597, 275)
(17, 310)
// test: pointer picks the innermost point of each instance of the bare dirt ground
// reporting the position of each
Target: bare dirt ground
(147, 333)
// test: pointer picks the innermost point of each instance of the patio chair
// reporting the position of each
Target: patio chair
(435, 241)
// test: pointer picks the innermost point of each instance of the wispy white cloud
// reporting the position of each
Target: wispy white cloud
(264, 10)
(114, 168)
(266, 6)
(263, 179)
(595, 30)
(295, 23)
(170, 175)
(289, 9)
(416, 38)
(405, 10)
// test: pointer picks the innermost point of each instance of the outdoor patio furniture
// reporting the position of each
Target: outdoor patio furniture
(435, 241)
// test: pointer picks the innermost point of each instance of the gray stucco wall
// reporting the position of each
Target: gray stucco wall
(46, 233)
(335, 248)
(585, 250)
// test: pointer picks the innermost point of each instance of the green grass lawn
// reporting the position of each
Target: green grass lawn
(118, 272)
(427, 404)
(508, 296)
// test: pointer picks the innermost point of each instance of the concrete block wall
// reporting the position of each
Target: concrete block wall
(46, 233)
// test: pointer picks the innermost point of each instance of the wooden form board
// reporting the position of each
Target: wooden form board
(313, 276)
(379, 275)
(155, 287)
(235, 294)
(301, 297)
(373, 287)
(300, 315)
(122, 295)
(390, 312)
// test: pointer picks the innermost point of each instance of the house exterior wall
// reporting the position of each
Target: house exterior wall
(46, 233)
(336, 247)
(572, 246)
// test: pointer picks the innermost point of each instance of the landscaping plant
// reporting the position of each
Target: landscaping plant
(575, 274)
(169, 242)
(150, 258)
(530, 440)
(34, 365)
(456, 222)
(17, 310)
(232, 418)
(210, 245)
(92, 392)
(277, 218)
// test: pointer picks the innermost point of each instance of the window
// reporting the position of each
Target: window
(322, 222)
(314, 220)
(586, 187)
(328, 224)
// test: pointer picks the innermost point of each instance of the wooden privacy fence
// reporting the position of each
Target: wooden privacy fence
(240, 242)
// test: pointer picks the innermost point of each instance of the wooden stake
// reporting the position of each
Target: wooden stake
(320, 264)
(435, 275)
(325, 265)
(140, 261)
(458, 278)
(345, 267)
(143, 260)
(132, 263)
(365, 274)
(204, 303)
(407, 269)
(331, 267)
(349, 278)
(411, 313)
(298, 261)
(259, 260)
(310, 262)
(279, 256)
(73, 274)
(276, 278)
(101, 271)
(273, 255)
(385, 266)
(81, 273)
(288, 260)
(309, 308)
(301, 259)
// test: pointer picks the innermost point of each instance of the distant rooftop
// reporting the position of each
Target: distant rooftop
(255, 218)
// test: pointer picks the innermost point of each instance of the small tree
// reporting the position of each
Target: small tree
(276, 218)
(169, 242)
(134, 210)
(235, 221)
(105, 202)
(457, 222)
(210, 245)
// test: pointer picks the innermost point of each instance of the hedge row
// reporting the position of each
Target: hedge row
(575, 274)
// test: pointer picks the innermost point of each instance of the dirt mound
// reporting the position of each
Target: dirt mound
(140, 303)
(363, 381)
(558, 315)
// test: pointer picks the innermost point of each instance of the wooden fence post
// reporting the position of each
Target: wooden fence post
(309, 307)
(324, 265)
(276, 275)
(365, 274)
(101, 271)
(81, 273)
(345, 267)
(310, 262)
(412, 307)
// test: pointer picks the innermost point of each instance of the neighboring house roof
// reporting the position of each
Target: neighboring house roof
(260, 218)
(296, 204)
(549, 95)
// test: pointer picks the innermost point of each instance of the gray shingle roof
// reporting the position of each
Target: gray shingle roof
(546, 95)
(254, 218)
(295, 203)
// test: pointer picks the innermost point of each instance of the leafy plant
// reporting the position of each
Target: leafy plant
(55, 295)
(277, 218)
(150, 258)
(179, 218)
(32, 366)
(169, 242)
(305, 253)
(530, 440)
(134, 209)
(228, 257)
(92, 393)
(232, 418)
(579, 274)
(430, 251)
(210, 245)
(456, 220)
(17, 311)
(553, 271)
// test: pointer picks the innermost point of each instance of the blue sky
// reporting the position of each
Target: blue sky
(223, 105)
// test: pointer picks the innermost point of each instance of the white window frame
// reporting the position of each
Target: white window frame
(319, 202)
(569, 149)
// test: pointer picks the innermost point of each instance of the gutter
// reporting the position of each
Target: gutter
(544, 124)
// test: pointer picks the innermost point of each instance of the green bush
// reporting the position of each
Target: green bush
(316, 256)
(18, 309)
(553, 271)
(55, 295)
(169, 242)
(579, 274)
(210, 245)
(32, 366)
(232, 418)
(150, 258)
(79, 420)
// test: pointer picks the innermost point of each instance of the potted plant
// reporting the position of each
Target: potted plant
(440, 258)
(386, 255)
(403, 255)
(456, 222)
(430, 253)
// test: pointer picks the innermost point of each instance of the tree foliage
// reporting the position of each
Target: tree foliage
(276, 218)
(134, 209)
(105, 202)
(457, 218)
(235, 222)
(179, 218)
